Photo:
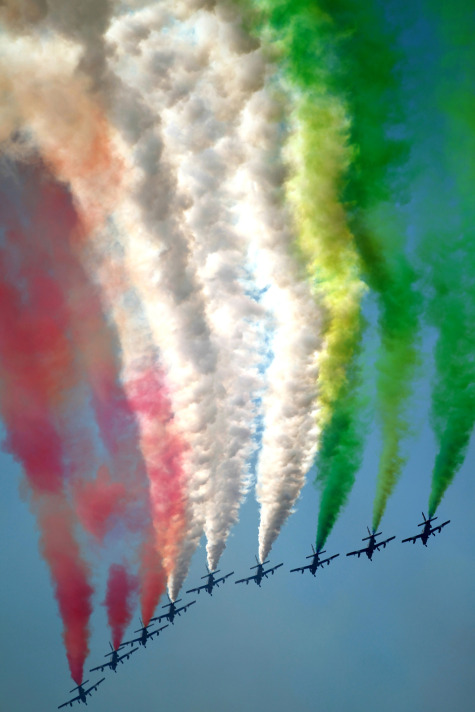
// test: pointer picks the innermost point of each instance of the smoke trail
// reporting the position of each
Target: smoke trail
(318, 156)
(95, 173)
(289, 438)
(444, 215)
(70, 576)
(121, 590)
(153, 579)
(38, 379)
(202, 139)
(187, 249)
(157, 252)
(368, 89)
(370, 195)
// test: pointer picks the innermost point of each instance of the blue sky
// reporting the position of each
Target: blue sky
(397, 633)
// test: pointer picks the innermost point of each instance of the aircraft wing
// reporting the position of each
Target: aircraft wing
(301, 568)
(383, 543)
(101, 667)
(198, 589)
(127, 655)
(223, 578)
(327, 561)
(358, 552)
(159, 619)
(155, 632)
(130, 642)
(94, 687)
(183, 608)
(69, 702)
(271, 571)
(439, 527)
(246, 580)
(412, 538)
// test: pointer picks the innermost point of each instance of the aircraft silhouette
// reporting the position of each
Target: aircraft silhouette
(144, 635)
(427, 531)
(82, 693)
(260, 573)
(372, 546)
(174, 611)
(211, 583)
(316, 562)
(116, 658)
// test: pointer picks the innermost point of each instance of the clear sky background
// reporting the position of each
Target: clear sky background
(397, 633)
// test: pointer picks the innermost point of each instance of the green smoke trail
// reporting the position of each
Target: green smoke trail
(449, 243)
(302, 38)
(369, 80)
(339, 59)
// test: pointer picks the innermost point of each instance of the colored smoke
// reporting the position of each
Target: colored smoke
(120, 598)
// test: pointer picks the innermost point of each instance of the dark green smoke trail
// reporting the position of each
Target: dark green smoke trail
(448, 221)
(370, 81)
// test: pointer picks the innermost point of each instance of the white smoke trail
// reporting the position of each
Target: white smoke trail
(290, 403)
(201, 135)
(185, 255)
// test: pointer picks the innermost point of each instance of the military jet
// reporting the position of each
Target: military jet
(116, 658)
(211, 583)
(174, 611)
(316, 562)
(82, 693)
(372, 546)
(427, 531)
(260, 573)
(144, 635)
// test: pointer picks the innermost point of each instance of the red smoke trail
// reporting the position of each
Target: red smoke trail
(39, 375)
(121, 587)
(98, 345)
(163, 451)
(30, 416)
(71, 579)
(134, 420)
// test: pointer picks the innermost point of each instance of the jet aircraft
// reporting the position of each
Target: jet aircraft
(144, 635)
(316, 562)
(260, 573)
(372, 546)
(116, 658)
(427, 531)
(82, 693)
(211, 582)
(174, 611)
